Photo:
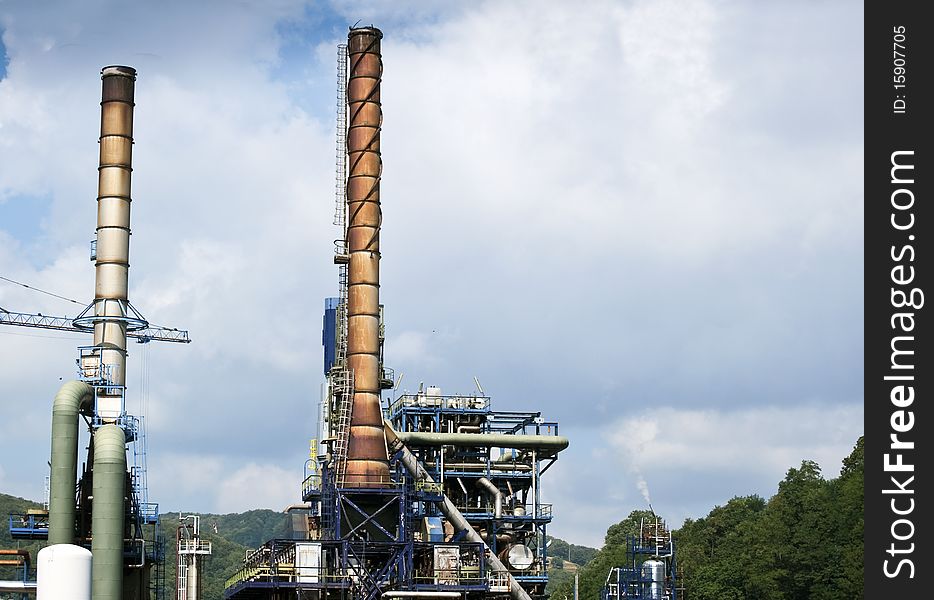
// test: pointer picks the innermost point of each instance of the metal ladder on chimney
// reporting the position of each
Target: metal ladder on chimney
(342, 385)
(341, 376)
(340, 172)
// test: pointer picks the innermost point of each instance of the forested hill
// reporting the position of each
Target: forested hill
(805, 542)
(12, 504)
(236, 533)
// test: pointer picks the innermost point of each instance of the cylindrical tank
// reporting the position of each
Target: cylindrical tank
(63, 571)
(519, 557)
(653, 572)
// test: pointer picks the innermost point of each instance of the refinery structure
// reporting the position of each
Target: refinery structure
(424, 495)
(430, 495)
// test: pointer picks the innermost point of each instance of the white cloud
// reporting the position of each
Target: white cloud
(585, 207)
(258, 486)
(761, 440)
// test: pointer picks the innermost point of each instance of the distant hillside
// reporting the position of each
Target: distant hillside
(236, 534)
(12, 504)
(561, 568)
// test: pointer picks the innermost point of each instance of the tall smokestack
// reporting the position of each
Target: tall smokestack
(113, 231)
(367, 458)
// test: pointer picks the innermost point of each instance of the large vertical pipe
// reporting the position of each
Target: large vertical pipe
(72, 397)
(113, 229)
(107, 513)
(367, 459)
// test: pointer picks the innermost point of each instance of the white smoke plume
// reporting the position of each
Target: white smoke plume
(643, 486)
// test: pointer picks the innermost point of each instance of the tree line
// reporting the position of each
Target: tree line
(804, 543)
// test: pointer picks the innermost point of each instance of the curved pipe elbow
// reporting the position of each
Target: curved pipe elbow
(73, 397)
(497, 496)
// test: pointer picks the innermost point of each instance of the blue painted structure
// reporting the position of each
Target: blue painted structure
(394, 537)
(633, 581)
(29, 526)
(329, 332)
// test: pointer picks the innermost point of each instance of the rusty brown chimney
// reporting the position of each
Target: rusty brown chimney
(367, 457)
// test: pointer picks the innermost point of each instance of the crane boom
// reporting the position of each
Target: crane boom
(40, 321)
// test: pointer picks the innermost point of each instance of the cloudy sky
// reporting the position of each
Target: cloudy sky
(642, 218)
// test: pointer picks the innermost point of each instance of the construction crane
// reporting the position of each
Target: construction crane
(138, 328)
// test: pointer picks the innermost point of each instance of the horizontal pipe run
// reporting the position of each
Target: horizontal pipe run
(420, 594)
(493, 466)
(22, 587)
(555, 443)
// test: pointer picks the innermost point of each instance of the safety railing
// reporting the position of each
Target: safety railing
(29, 525)
(311, 483)
(424, 400)
(498, 581)
(189, 546)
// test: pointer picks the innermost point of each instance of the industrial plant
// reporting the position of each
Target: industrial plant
(429, 494)
(104, 533)
(432, 495)
(650, 571)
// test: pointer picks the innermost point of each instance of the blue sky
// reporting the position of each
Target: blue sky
(642, 218)
(3, 57)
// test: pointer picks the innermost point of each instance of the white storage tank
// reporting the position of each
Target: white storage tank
(63, 571)
(653, 571)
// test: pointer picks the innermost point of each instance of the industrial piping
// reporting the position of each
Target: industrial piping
(107, 516)
(73, 397)
(497, 496)
(488, 440)
(22, 587)
(450, 511)
(421, 594)
(367, 458)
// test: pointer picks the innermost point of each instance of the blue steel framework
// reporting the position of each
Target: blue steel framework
(638, 580)
(393, 538)
(459, 469)
(364, 548)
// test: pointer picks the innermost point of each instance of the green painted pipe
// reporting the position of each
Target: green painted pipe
(554, 443)
(73, 397)
(107, 513)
